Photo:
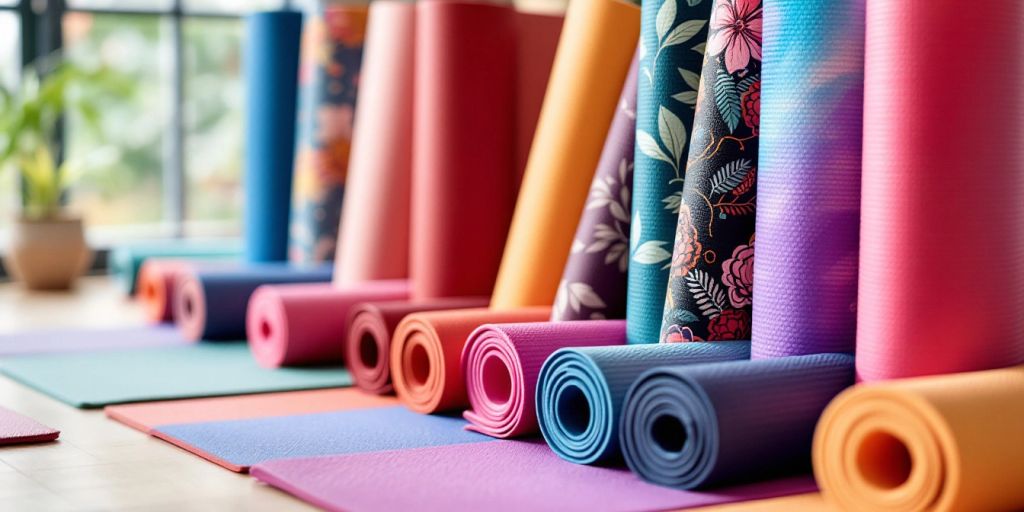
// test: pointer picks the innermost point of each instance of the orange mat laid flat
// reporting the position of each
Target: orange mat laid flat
(943, 443)
(594, 55)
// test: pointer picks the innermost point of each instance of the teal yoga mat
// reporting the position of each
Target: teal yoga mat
(95, 379)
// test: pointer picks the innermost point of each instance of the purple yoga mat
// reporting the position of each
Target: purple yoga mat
(594, 283)
(81, 340)
(808, 186)
(495, 476)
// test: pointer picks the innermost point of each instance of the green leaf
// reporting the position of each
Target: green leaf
(692, 79)
(699, 48)
(650, 147)
(672, 132)
(730, 176)
(692, 3)
(688, 97)
(666, 17)
(727, 98)
(651, 253)
(683, 33)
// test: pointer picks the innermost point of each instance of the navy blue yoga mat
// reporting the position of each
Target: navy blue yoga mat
(271, 77)
(706, 425)
(580, 391)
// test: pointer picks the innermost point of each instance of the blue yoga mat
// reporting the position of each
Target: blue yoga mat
(271, 77)
(707, 425)
(238, 444)
(580, 391)
(96, 379)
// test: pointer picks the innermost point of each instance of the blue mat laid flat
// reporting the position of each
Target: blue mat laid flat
(95, 379)
(580, 391)
(238, 444)
(706, 425)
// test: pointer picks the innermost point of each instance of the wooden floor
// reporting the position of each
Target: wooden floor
(99, 464)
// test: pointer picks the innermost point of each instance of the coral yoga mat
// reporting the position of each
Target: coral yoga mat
(17, 429)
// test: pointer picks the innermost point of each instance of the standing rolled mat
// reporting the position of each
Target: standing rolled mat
(125, 261)
(211, 304)
(580, 391)
(941, 285)
(808, 211)
(948, 442)
(332, 55)
(426, 351)
(301, 324)
(711, 276)
(371, 326)
(380, 168)
(271, 77)
(597, 42)
(700, 426)
(672, 43)
(593, 283)
(501, 362)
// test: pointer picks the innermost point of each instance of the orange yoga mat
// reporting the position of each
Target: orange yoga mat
(155, 290)
(427, 349)
(594, 56)
(943, 443)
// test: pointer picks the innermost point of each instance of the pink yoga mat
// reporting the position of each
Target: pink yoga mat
(495, 476)
(306, 324)
(16, 429)
(501, 363)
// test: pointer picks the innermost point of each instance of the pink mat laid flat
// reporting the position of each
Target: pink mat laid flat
(16, 429)
(148, 416)
(495, 476)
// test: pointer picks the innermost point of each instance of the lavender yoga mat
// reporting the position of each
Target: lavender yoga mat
(83, 340)
(593, 285)
(808, 206)
(497, 477)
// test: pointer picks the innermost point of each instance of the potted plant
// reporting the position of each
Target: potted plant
(47, 248)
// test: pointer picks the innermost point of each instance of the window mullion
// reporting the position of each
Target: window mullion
(174, 167)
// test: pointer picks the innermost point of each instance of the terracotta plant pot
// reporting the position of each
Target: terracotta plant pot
(48, 254)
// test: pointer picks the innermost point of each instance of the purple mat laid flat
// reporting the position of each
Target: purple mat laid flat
(79, 340)
(494, 476)
(15, 428)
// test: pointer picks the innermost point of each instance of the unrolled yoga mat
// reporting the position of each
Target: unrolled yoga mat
(594, 53)
(239, 444)
(580, 391)
(710, 280)
(593, 283)
(948, 442)
(332, 55)
(87, 340)
(707, 425)
(148, 416)
(927, 210)
(126, 260)
(373, 240)
(427, 348)
(672, 44)
(370, 329)
(94, 379)
(500, 363)
(211, 304)
(301, 324)
(498, 476)
(271, 78)
(17, 429)
(808, 211)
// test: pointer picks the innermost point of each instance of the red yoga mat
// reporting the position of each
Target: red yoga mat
(942, 223)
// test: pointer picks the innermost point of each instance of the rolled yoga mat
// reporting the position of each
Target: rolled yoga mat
(332, 55)
(593, 284)
(707, 425)
(672, 42)
(271, 77)
(808, 205)
(301, 324)
(594, 52)
(710, 280)
(380, 168)
(921, 198)
(157, 278)
(126, 260)
(501, 362)
(426, 351)
(211, 305)
(949, 442)
(580, 391)
(371, 326)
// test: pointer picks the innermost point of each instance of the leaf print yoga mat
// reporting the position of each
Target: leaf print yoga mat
(808, 184)
(332, 55)
(593, 285)
(672, 44)
(942, 223)
(711, 276)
